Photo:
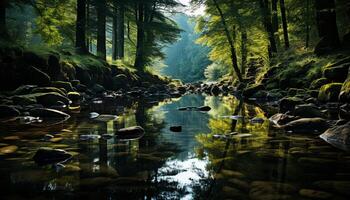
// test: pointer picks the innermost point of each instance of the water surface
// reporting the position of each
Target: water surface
(220, 154)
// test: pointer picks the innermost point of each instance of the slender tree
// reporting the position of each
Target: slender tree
(264, 6)
(307, 38)
(284, 24)
(274, 16)
(114, 31)
(230, 41)
(121, 29)
(101, 28)
(80, 38)
(3, 27)
(139, 13)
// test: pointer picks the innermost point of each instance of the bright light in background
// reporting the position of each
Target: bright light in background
(190, 10)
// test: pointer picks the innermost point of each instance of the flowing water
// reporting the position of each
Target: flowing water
(230, 152)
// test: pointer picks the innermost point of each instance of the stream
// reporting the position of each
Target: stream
(229, 152)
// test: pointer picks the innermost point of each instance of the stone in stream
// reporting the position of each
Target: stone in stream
(8, 149)
(338, 136)
(49, 116)
(49, 156)
(176, 128)
(106, 118)
(89, 137)
(315, 194)
(306, 125)
(130, 133)
(264, 190)
(93, 115)
(308, 110)
(282, 119)
(257, 120)
(341, 187)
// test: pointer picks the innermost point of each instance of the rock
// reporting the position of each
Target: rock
(257, 120)
(74, 96)
(318, 83)
(308, 111)
(62, 84)
(93, 115)
(47, 113)
(282, 119)
(182, 89)
(317, 162)
(341, 187)
(104, 118)
(120, 81)
(89, 137)
(75, 83)
(48, 156)
(307, 125)
(130, 133)
(336, 73)
(240, 184)
(176, 128)
(51, 98)
(251, 90)
(37, 77)
(344, 95)
(231, 173)
(338, 136)
(8, 149)
(81, 88)
(8, 112)
(24, 89)
(315, 194)
(204, 108)
(48, 89)
(329, 92)
(289, 103)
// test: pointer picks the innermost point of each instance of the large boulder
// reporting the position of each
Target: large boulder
(120, 81)
(307, 125)
(338, 136)
(329, 92)
(344, 95)
(336, 73)
(289, 103)
(308, 111)
(46, 99)
(35, 76)
(48, 89)
(317, 84)
(48, 113)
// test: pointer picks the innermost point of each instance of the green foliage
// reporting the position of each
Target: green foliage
(215, 71)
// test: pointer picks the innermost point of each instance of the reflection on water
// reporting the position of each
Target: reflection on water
(230, 152)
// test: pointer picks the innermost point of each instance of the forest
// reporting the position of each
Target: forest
(175, 99)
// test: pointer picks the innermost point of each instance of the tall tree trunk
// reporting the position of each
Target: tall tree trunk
(88, 35)
(268, 25)
(3, 28)
(243, 52)
(80, 37)
(101, 28)
(139, 58)
(307, 38)
(120, 30)
(230, 41)
(274, 16)
(114, 31)
(327, 26)
(284, 24)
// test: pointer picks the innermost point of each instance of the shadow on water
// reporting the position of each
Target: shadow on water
(229, 152)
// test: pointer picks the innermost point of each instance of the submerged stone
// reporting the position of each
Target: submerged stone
(307, 125)
(130, 133)
(204, 108)
(176, 128)
(105, 118)
(48, 156)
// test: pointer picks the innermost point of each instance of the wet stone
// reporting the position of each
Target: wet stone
(315, 194)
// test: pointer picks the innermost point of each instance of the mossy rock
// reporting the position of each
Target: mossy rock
(23, 101)
(62, 84)
(120, 81)
(336, 73)
(344, 95)
(329, 92)
(46, 99)
(48, 89)
(37, 77)
(317, 84)
(289, 103)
